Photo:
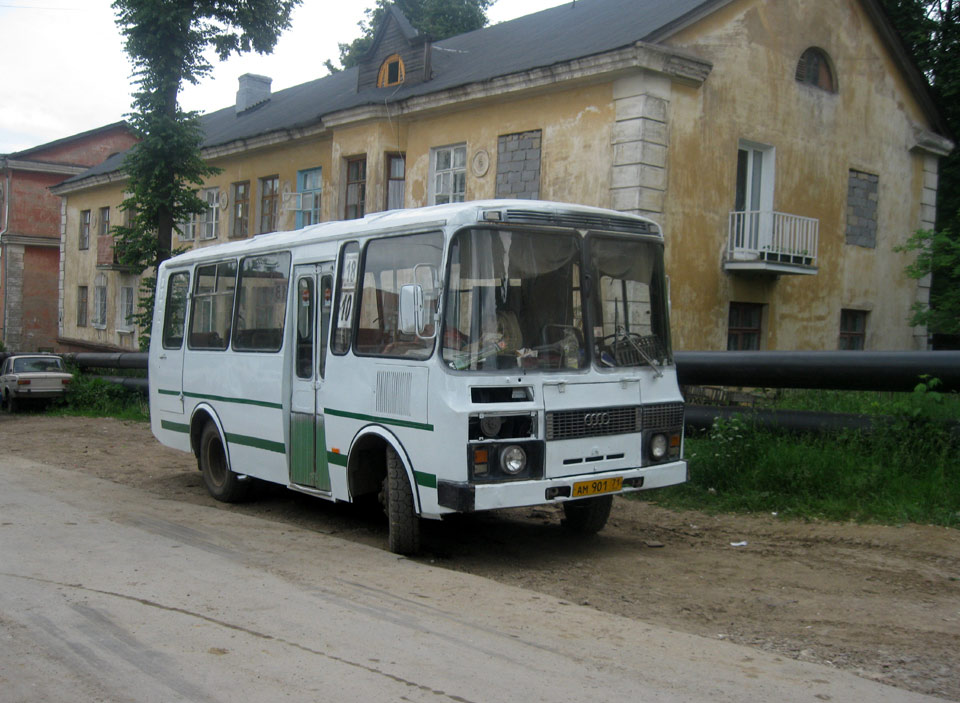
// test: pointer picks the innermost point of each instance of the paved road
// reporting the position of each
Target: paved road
(108, 593)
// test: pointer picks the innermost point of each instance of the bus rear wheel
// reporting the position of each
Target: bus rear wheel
(403, 533)
(587, 516)
(222, 483)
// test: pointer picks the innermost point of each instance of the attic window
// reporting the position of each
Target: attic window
(814, 69)
(391, 72)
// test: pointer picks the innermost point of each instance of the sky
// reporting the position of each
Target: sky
(65, 70)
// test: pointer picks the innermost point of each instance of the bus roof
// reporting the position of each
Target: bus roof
(525, 212)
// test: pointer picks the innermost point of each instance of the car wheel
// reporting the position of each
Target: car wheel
(222, 483)
(587, 516)
(403, 534)
(10, 403)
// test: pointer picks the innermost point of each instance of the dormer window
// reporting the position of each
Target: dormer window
(391, 72)
(814, 69)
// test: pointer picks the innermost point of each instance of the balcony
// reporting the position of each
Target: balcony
(774, 243)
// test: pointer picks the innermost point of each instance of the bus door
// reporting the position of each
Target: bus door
(167, 371)
(313, 288)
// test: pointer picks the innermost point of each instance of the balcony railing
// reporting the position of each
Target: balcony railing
(772, 241)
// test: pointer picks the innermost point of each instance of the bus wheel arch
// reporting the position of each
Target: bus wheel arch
(213, 459)
(378, 466)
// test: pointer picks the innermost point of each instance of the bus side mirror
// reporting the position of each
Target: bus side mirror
(411, 310)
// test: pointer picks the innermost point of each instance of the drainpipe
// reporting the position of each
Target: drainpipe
(4, 224)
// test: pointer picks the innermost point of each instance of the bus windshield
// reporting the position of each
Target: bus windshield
(629, 304)
(513, 301)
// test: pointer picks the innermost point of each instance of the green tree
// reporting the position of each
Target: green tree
(166, 41)
(930, 30)
(437, 19)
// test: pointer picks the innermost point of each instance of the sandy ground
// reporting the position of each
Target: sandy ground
(882, 602)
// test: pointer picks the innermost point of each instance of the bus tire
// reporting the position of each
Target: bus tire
(403, 533)
(222, 483)
(587, 516)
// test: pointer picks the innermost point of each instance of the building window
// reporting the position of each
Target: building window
(356, 188)
(743, 330)
(84, 230)
(100, 302)
(104, 228)
(448, 174)
(269, 203)
(82, 306)
(209, 221)
(853, 330)
(241, 209)
(391, 72)
(309, 188)
(863, 191)
(813, 68)
(125, 309)
(396, 180)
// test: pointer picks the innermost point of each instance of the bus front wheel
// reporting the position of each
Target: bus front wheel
(403, 534)
(222, 483)
(587, 516)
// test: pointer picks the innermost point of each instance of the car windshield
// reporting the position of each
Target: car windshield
(629, 304)
(37, 364)
(513, 301)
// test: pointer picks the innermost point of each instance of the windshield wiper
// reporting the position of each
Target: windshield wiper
(620, 331)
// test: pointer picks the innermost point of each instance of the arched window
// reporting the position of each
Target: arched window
(814, 68)
(391, 72)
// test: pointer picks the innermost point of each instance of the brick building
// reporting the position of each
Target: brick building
(30, 221)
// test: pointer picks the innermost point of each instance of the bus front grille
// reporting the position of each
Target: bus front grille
(592, 422)
(663, 416)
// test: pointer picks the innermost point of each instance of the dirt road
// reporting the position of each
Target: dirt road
(883, 602)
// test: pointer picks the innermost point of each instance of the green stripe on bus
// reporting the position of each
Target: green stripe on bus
(384, 420)
(175, 426)
(426, 480)
(257, 443)
(223, 398)
(338, 459)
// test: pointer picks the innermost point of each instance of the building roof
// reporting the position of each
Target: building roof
(554, 36)
(27, 153)
(569, 31)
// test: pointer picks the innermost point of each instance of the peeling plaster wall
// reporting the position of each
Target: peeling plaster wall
(867, 125)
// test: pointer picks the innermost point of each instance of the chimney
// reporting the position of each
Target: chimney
(254, 90)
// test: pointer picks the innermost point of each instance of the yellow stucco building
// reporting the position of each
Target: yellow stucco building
(786, 148)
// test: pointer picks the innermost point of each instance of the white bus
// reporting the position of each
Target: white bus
(447, 359)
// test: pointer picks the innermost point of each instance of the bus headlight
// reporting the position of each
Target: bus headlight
(513, 459)
(658, 447)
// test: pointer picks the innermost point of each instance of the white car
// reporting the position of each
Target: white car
(26, 377)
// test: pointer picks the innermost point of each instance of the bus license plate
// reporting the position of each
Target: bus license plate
(600, 485)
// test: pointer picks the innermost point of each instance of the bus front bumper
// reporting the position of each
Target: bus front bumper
(470, 497)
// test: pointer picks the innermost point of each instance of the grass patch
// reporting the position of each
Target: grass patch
(91, 396)
(907, 472)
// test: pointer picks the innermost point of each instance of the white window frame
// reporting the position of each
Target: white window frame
(309, 199)
(100, 302)
(443, 180)
(125, 309)
(209, 221)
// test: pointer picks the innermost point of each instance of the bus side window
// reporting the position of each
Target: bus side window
(175, 310)
(212, 308)
(346, 297)
(262, 302)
